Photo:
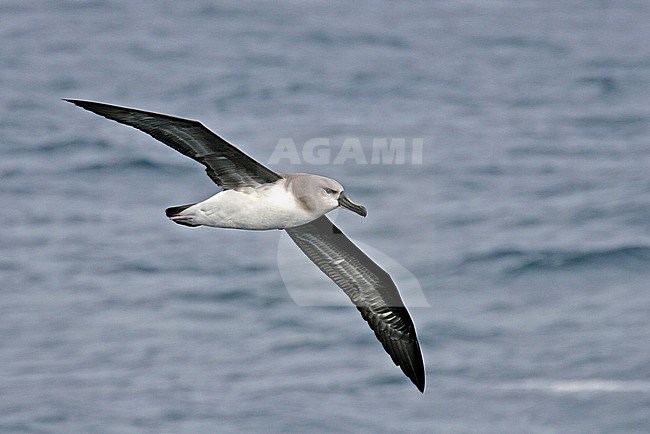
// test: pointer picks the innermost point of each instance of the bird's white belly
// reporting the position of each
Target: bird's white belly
(262, 208)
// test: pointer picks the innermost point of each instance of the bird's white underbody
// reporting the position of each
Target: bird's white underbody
(262, 208)
(265, 207)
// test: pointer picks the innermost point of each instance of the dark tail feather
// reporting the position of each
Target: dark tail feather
(175, 210)
(174, 215)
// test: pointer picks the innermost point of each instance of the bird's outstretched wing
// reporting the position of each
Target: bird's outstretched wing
(226, 165)
(369, 287)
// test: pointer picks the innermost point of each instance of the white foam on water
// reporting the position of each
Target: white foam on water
(579, 386)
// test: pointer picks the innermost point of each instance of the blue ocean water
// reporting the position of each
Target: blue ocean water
(526, 224)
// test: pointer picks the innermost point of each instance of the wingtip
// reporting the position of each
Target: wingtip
(76, 102)
(415, 370)
(418, 380)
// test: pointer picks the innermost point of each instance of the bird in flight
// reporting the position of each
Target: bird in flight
(254, 197)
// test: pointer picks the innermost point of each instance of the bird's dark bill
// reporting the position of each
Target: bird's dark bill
(344, 202)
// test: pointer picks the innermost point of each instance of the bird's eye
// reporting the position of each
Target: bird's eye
(329, 190)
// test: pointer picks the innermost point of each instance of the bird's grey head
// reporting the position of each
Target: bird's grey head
(321, 195)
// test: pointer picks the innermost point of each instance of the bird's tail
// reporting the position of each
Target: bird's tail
(174, 214)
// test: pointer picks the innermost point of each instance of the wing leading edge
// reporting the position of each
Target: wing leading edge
(226, 165)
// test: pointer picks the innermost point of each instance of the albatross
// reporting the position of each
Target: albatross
(253, 197)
